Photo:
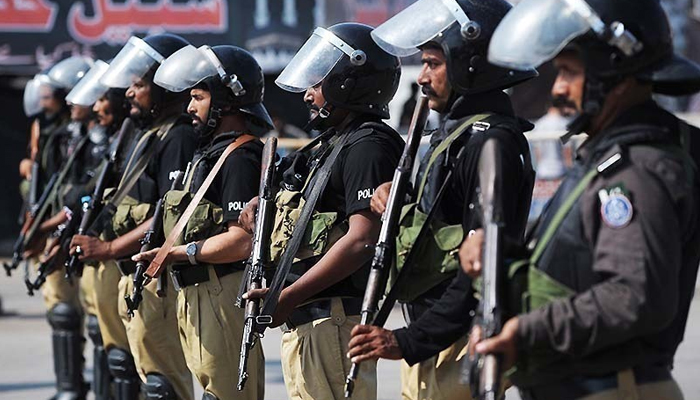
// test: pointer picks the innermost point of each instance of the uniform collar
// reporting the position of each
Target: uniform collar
(495, 101)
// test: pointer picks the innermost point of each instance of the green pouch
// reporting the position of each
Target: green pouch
(321, 233)
(130, 214)
(436, 255)
(206, 220)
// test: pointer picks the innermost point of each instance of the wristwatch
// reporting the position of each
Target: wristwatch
(191, 251)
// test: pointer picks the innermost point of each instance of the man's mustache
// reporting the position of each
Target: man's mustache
(313, 107)
(428, 91)
(562, 102)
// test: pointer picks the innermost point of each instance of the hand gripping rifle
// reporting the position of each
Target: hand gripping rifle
(384, 249)
(94, 203)
(150, 240)
(63, 236)
(484, 372)
(259, 259)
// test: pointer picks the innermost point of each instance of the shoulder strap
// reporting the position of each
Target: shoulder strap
(442, 147)
(566, 206)
(154, 270)
(285, 264)
(136, 165)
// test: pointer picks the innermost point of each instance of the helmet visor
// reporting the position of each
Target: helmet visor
(89, 89)
(131, 64)
(32, 95)
(404, 33)
(312, 63)
(535, 31)
(184, 69)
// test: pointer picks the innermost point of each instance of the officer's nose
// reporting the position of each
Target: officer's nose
(423, 76)
(309, 95)
(560, 87)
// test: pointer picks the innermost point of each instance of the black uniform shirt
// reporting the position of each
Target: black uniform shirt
(238, 180)
(441, 316)
(172, 154)
(361, 166)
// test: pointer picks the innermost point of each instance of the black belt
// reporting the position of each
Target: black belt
(580, 386)
(184, 276)
(321, 309)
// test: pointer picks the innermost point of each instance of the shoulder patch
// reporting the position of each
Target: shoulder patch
(615, 208)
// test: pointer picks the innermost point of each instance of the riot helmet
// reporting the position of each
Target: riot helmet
(462, 29)
(60, 79)
(89, 89)
(357, 74)
(139, 59)
(615, 40)
(232, 76)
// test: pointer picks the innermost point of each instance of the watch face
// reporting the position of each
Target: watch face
(191, 249)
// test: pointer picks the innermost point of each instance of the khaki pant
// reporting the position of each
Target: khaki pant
(87, 291)
(153, 337)
(437, 378)
(57, 289)
(629, 390)
(314, 360)
(211, 328)
(106, 298)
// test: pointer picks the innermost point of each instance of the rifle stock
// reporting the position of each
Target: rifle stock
(484, 373)
(259, 258)
(383, 250)
(153, 235)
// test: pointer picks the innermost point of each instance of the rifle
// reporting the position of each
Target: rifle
(26, 234)
(63, 236)
(384, 249)
(484, 373)
(259, 258)
(153, 235)
(95, 202)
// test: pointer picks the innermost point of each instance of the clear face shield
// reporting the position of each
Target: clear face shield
(89, 89)
(189, 66)
(131, 64)
(535, 31)
(404, 33)
(32, 95)
(315, 60)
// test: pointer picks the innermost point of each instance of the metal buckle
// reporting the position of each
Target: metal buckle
(480, 126)
(176, 277)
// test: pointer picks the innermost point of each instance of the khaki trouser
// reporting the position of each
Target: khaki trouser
(314, 360)
(629, 390)
(87, 291)
(57, 289)
(211, 328)
(107, 299)
(437, 378)
(153, 337)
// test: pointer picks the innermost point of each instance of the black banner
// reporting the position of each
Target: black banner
(34, 34)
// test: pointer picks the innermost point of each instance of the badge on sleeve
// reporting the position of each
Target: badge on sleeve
(615, 208)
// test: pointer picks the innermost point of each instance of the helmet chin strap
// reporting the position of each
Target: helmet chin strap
(595, 91)
(316, 121)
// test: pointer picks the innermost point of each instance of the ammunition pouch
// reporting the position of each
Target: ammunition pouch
(130, 214)
(321, 233)
(436, 255)
(206, 221)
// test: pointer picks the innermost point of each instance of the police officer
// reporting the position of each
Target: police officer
(163, 145)
(613, 264)
(57, 141)
(99, 286)
(467, 92)
(347, 88)
(226, 87)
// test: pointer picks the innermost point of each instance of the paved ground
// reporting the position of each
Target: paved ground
(26, 370)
